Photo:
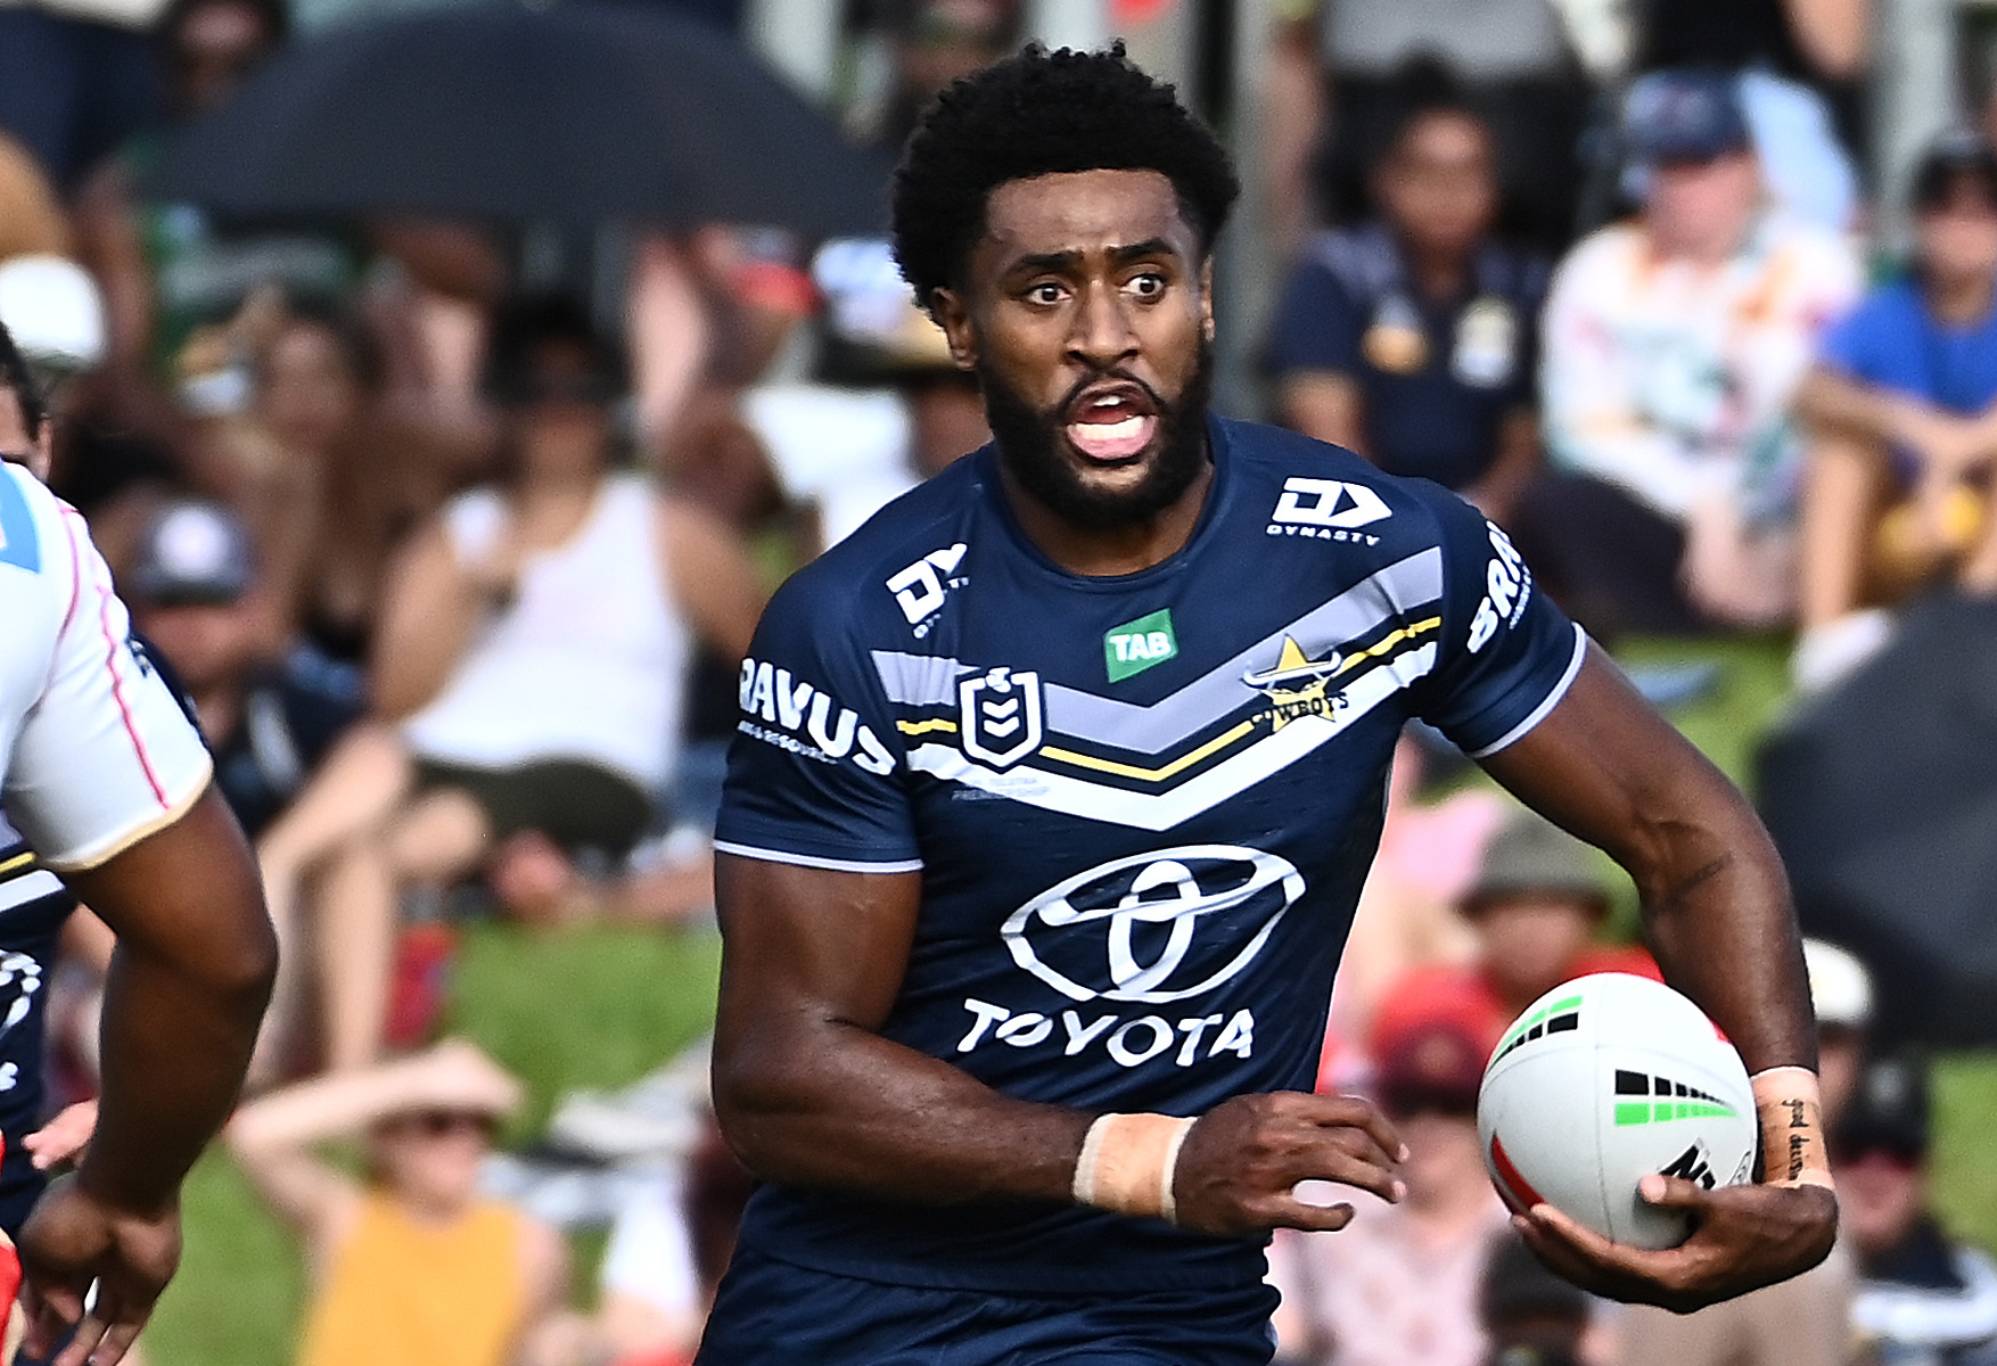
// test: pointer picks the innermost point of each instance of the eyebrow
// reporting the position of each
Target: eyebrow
(1059, 261)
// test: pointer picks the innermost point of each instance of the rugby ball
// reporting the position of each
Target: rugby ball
(1602, 1081)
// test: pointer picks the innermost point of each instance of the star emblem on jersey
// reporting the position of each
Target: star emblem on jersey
(999, 716)
(1298, 686)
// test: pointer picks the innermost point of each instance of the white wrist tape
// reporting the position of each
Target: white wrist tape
(1790, 1107)
(1127, 1164)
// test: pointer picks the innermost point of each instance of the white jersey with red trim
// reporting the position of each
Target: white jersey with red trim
(95, 754)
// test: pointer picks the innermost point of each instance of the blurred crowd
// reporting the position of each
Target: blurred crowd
(453, 536)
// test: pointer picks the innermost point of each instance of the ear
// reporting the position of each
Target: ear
(42, 459)
(953, 315)
(1206, 298)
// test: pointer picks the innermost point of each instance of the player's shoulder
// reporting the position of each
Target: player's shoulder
(914, 544)
(1302, 488)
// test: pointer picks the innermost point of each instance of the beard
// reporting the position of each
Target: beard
(1032, 449)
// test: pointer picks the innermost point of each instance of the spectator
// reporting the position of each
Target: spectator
(1805, 1319)
(1530, 1316)
(31, 217)
(192, 591)
(1431, 851)
(1797, 63)
(1923, 1299)
(1398, 1286)
(932, 43)
(77, 78)
(1536, 907)
(184, 290)
(892, 408)
(1903, 409)
(409, 1264)
(1672, 350)
(1841, 995)
(531, 672)
(1343, 67)
(333, 479)
(1410, 339)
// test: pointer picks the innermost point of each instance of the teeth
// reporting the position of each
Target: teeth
(1106, 401)
(1112, 431)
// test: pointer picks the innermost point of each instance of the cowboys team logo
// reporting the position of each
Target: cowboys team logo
(1154, 927)
(1298, 685)
(999, 716)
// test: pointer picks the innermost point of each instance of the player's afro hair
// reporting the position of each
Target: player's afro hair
(1040, 113)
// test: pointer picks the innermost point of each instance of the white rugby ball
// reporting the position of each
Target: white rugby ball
(1602, 1081)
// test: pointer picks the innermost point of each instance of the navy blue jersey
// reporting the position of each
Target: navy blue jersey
(33, 906)
(1142, 806)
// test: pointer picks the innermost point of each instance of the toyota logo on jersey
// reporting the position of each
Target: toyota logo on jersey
(1154, 927)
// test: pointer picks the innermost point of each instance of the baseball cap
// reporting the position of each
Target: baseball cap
(1887, 1111)
(54, 311)
(1956, 156)
(1840, 987)
(193, 552)
(1688, 114)
(1431, 1062)
(1531, 855)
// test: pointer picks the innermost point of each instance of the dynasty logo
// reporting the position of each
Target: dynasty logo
(1298, 686)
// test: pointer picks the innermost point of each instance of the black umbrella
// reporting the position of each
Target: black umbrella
(1882, 796)
(574, 115)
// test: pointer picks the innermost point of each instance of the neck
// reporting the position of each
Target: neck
(1963, 299)
(1437, 274)
(1096, 552)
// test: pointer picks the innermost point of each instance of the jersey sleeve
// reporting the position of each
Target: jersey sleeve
(1508, 655)
(815, 769)
(106, 756)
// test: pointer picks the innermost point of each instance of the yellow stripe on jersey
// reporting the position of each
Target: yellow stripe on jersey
(21, 863)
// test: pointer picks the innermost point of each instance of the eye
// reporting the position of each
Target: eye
(1047, 293)
(1149, 285)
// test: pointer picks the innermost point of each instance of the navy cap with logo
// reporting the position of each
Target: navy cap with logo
(1958, 158)
(192, 552)
(1686, 115)
(1888, 1112)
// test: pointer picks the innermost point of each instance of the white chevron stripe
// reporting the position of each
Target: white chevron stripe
(1163, 810)
(31, 887)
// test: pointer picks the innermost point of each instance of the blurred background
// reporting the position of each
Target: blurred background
(448, 383)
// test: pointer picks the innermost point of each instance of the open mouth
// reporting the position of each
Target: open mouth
(1111, 422)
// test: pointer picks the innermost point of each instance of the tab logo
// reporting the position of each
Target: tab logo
(1138, 645)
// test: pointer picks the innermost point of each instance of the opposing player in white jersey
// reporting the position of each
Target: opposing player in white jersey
(108, 782)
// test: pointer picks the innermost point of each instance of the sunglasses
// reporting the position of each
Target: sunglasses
(446, 1123)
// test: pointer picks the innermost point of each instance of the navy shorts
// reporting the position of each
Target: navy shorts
(771, 1313)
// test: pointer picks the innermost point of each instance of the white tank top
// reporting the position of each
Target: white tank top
(589, 660)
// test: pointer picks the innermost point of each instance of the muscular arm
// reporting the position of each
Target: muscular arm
(1715, 902)
(807, 1091)
(187, 985)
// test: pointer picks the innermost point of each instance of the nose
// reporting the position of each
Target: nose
(1102, 336)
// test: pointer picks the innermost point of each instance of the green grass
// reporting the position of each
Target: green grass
(584, 1009)
(597, 1008)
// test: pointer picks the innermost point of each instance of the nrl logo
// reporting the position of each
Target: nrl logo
(1298, 686)
(999, 716)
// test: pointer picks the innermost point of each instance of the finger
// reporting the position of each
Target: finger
(1355, 1112)
(55, 1308)
(118, 1341)
(1591, 1246)
(1291, 1213)
(88, 1334)
(1562, 1260)
(1349, 1158)
(1673, 1192)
